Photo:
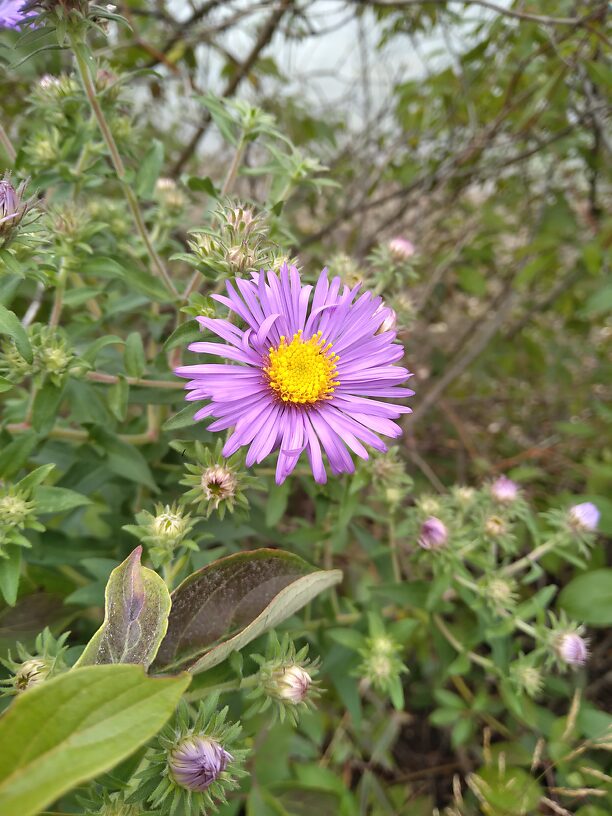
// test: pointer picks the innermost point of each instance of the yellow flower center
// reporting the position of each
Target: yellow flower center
(303, 371)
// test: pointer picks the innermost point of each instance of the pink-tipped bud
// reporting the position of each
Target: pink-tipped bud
(572, 649)
(401, 248)
(433, 535)
(584, 517)
(197, 762)
(292, 684)
(504, 490)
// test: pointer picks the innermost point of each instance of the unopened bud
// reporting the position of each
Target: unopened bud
(504, 490)
(169, 523)
(584, 517)
(495, 526)
(291, 684)
(197, 762)
(401, 248)
(13, 509)
(31, 673)
(433, 534)
(572, 649)
(12, 207)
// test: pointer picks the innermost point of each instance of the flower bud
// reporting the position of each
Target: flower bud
(464, 495)
(584, 517)
(168, 194)
(31, 673)
(219, 484)
(495, 526)
(12, 207)
(529, 679)
(572, 649)
(433, 535)
(401, 248)
(504, 490)
(291, 684)
(390, 319)
(14, 509)
(196, 762)
(169, 523)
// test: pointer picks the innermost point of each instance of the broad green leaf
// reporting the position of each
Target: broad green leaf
(76, 726)
(225, 605)
(17, 452)
(182, 419)
(9, 324)
(57, 499)
(137, 603)
(5, 385)
(588, 598)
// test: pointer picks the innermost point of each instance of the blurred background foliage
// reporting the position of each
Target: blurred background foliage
(479, 132)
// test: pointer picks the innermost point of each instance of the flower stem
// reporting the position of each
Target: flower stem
(117, 161)
(58, 300)
(227, 186)
(7, 145)
(529, 559)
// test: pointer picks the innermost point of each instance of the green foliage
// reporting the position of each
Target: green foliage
(451, 678)
(93, 718)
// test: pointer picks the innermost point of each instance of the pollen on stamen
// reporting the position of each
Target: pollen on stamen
(302, 372)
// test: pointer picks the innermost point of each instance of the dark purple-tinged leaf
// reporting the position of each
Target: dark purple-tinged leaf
(228, 603)
(136, 619)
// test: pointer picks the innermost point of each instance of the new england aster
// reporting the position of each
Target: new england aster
(315, 371)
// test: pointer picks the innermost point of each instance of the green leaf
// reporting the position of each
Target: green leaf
(17, 452)
(228, 603)
(137, 603)
(57, 499)
(10, 571)
(46, 405)
(588, 598)
(203, 185)
(124, 460)
(93, 718)
(183, 419)
(149, 170)
(5, 385)
(134, 355)
(278, 496)
(9, 324)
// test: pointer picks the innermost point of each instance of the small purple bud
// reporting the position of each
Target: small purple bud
(504, 490)
(401, 248)
(197, 762)
(572, 649)
(584, 517)
(12, 206)
(433, 535)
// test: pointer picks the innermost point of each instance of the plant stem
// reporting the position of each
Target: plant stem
(227, 186)
(529, 559)
(231, 685)
(58, 299)
(117, 161)
(397, 572)
(7, 145)
(475, 658)
(101, 377)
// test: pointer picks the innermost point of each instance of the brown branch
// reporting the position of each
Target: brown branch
(264, 38)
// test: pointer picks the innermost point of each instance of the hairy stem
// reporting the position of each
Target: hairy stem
(117, 161)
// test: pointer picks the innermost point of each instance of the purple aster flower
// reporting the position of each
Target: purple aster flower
(573, 649)
(197, 762)
(504, 490)
(314, 376)
(401, 248)
(433, 534)
(584, 517)
(12, 13)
